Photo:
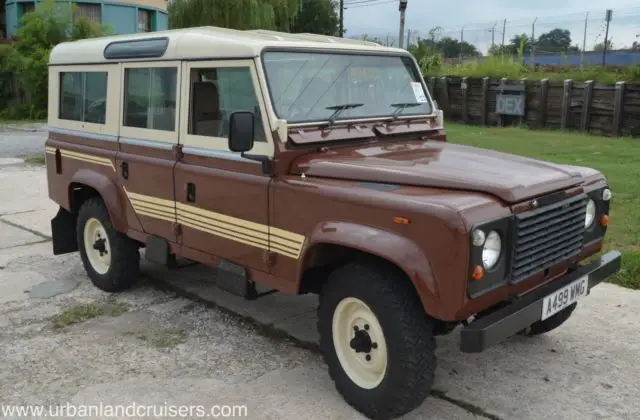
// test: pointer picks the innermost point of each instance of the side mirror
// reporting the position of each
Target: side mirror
(241, 131)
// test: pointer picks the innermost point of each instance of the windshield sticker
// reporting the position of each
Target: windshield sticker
(419, 92)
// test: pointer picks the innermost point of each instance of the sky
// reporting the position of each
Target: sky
(380, 18)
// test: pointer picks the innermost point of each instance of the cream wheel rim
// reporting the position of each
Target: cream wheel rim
(96, 245)
(359, 343)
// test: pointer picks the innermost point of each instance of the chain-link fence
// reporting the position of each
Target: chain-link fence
(594, 37)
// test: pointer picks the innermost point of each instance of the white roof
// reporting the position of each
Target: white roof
(209, 42)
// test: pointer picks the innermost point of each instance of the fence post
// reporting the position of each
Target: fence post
(618, 108)
(446, 106)
(542, 109)
(485, 99)
(566, 103)
(503, 81)
(464, 85)
(523, 118)
(586, 105)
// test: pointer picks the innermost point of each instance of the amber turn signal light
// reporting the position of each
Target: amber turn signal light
(604, 220)
(478, 273)
(401, 220)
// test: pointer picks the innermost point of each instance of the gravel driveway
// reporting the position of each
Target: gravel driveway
(22, 141)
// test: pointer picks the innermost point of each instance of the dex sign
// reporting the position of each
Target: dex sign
(510, 100)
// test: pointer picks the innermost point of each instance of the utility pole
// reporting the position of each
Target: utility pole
(493, 34)
(584, 41)
(504, 30)
(341, 18)
(461, 43)
(403, 9)
(606, 37)
(533, 43)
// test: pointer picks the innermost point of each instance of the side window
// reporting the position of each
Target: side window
(150, 98)
(83, 96)
(216, 93)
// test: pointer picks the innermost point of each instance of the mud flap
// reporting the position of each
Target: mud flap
(63, 232)
(233, 279)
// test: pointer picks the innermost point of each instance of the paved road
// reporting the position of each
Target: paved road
(22, 142)
(183, 342)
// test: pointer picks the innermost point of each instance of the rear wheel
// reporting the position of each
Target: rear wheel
(110, 258)
(376, 339)
(550, 324)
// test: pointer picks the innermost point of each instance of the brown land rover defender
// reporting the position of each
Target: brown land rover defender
(311, 164)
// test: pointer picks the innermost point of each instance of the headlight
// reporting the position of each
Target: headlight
(590, 214)
(491, 250)
(606, 194)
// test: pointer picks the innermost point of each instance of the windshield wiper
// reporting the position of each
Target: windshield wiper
(338, 109)
(402, 106)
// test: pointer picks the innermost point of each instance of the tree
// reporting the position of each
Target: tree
(318, 17)
(556, 41)
(521, 41)
(50, 24)
(599, 47)
(452, 48)
(237, 14)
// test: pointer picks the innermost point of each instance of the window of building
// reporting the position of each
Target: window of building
(150, 98)
(217, 93)
(145, 20)
(91, 10)
(28, 7)
(83, 96)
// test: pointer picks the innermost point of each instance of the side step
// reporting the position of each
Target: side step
(230, 277)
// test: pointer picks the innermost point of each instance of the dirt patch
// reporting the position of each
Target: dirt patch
(162, 338)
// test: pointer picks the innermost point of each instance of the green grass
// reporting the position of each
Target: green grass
(618, 159)
(21, 122)
(86, 311)
(499, 67)
(35, 160)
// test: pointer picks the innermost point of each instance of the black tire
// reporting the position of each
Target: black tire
(124, 266)
(550, 324)
(407, 331)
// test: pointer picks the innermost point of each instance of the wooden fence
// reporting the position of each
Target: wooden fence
(611, 110)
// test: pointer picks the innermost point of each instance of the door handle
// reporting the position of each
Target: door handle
(125, 170)
(191, 192)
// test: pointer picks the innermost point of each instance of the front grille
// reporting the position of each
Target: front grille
(547, 236)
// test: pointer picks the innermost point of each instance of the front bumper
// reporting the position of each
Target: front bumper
(518, 315)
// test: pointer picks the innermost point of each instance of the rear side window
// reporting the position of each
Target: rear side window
(150, 98)
(83, 96)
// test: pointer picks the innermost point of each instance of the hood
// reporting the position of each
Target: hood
(442, 165)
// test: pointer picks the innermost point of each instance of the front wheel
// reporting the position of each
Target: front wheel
(376, 339)
(110, 258)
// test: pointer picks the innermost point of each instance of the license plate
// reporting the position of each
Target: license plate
(564, 297)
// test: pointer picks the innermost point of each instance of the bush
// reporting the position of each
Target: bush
(24, 72)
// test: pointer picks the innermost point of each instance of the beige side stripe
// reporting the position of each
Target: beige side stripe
(83, 157)
(246, 232)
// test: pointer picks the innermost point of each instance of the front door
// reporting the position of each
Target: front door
(222, 198)
(148, 133)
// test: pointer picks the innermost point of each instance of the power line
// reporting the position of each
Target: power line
(369, 4)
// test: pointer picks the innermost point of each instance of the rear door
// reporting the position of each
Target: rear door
(221, 197)
(148, 134)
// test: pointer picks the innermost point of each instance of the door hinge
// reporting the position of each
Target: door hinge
(269, 258)
(177, 152)
(177, 229)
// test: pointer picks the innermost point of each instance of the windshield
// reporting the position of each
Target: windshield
(308, 87)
